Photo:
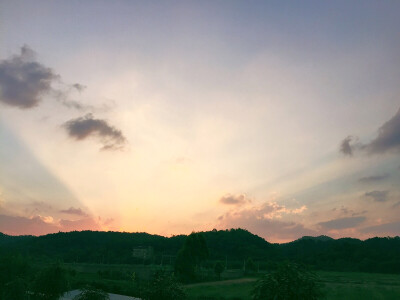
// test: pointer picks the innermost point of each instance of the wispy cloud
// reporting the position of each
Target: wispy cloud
(378, 196)
(373, 178)
(342, 223)
(73, 211)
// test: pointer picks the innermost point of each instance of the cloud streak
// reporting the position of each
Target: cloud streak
(378, 196)
(373, 178)
(87, 127)
(73, 211)
(342, 223)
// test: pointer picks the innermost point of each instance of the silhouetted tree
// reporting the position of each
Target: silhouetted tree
(192, 253)
(289, 282)
(218, 269)
(250, 265)
(51, 283)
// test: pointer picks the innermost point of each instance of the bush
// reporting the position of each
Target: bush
(164, 287)
(289, 282)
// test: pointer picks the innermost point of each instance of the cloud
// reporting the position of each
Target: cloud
(378, 196)
(373, 178)
(383, 229)
(26, 226)
(82, 224)
(397, 204)
(230, 199)
(23, 81)
(40, 225)
(84, 127)
(388, 138)
(342, 223)
(79, 87)
(265, 220)
(74, 211)
(346, 147)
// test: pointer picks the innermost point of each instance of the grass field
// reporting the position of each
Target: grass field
(337, 285)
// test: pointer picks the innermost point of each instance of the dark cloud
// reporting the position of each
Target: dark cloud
(23, 81)
(392, 229)
(388, 138)
(342, 223)
(234, 199)
(373, 178)
(378, 196)
(84, 127)
(346, 147)
(74, 211)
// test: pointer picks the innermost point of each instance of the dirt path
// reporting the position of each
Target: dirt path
(222, 282)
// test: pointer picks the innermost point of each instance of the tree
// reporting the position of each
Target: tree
(51, 283)
(164, 287)
(218, 269)
(192, 253)
(250, 266)
(289, 282)
(90, 293)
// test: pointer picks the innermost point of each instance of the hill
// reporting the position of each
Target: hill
(233, 245)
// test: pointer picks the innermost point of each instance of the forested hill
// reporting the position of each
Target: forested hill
(234, 245)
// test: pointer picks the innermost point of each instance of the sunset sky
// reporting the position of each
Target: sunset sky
(280, 117)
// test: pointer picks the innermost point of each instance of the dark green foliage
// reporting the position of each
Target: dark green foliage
(250, 265)
(189, 257)
(164, 287)
(15, 274)
(50, 283)
(289, 282)
(90, 293)
(16, 290)
(219, 268)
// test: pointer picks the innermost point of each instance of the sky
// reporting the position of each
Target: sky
(167, 117)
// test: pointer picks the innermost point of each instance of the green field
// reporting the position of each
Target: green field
(337, 285)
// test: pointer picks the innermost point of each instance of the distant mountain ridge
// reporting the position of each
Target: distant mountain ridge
(322, 238)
